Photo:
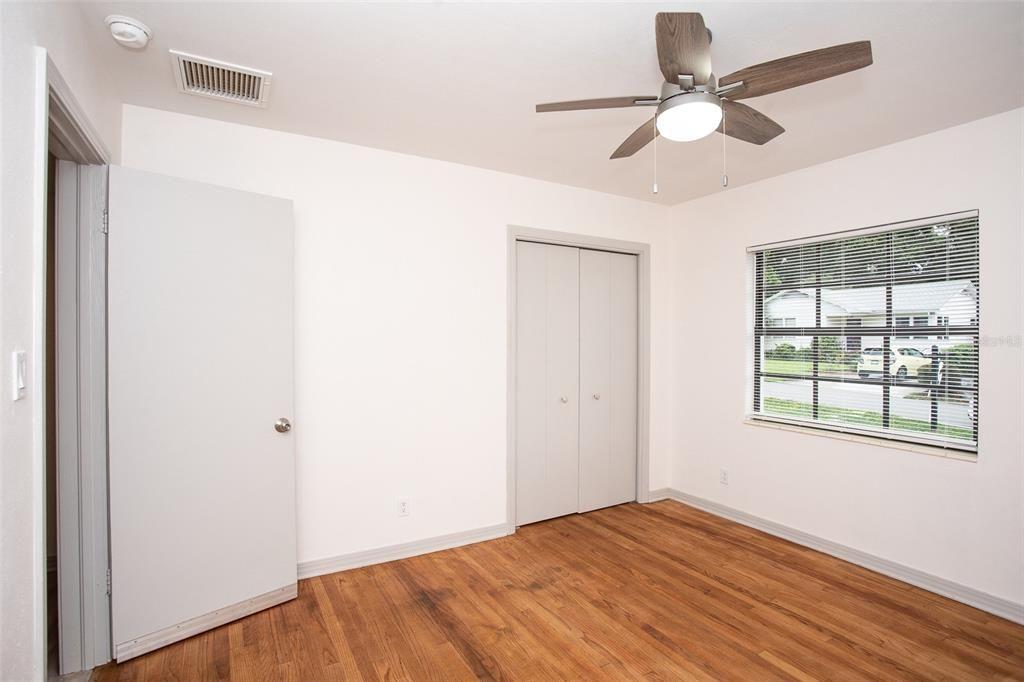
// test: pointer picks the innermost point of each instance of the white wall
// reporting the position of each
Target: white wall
(401, 332)
(58, 28)
(401, 318)
(962, 521)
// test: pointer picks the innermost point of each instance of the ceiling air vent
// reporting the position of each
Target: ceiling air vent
(220, 80)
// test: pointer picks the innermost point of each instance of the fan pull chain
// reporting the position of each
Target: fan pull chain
(725, 173)
(654, 189)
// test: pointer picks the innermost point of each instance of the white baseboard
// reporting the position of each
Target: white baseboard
(660, 494)
(176, 633)
(342, 562)
(1004, 608)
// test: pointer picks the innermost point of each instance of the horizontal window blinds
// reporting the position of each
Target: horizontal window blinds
(874, 332)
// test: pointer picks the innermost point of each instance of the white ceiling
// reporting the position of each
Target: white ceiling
(459, 81)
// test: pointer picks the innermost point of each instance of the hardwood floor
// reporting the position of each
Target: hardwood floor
(659, 591)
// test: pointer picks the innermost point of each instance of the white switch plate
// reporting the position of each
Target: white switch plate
(19, 375)
(723, 477)
(403, 507)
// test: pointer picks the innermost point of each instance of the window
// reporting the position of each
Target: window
(888, 333)
(782, 322)
(917, 321)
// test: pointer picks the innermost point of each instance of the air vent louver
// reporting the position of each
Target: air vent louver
(220, 80)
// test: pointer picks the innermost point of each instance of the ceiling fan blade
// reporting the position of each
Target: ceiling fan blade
(798, 69)
(683, 46)
(637, 140)
(600, 103)
(747, 124)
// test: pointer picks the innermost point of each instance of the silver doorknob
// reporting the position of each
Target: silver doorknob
(282, 425)
(564, 399)
(597, 396)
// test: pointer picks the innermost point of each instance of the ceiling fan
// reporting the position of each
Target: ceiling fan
(693, 104)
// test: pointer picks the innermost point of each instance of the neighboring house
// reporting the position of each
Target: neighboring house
(929, 303)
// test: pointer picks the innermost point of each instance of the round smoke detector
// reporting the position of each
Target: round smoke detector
(128, 32)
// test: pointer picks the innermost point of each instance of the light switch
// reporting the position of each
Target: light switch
(19, 375)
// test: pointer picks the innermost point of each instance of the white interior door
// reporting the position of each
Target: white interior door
(202, 485)
(547, 381)
(608, 378)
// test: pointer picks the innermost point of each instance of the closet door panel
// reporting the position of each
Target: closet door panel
(547, 381)
(623, 362)
(608, 377)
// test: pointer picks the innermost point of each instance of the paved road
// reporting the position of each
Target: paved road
(864, 397)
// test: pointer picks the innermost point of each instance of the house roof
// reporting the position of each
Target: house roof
(906, 298)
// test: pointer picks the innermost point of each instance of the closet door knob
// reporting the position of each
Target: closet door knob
(597, 396)
(564, 399)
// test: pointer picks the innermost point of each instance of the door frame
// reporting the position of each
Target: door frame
(83, 557)
(83, 552)
(642, 251)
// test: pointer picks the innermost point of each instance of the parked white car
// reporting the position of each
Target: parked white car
(903, 362)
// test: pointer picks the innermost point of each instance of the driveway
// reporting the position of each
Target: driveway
(864, 397)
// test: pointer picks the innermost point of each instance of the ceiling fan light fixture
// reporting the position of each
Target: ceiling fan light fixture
(689, 117)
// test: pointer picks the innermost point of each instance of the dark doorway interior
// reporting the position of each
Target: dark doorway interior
(50, 374)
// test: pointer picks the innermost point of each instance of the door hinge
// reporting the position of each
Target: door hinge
(106, 222)
(109, 584)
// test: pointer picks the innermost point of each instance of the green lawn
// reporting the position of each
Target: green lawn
(846, 415)
(803, 367)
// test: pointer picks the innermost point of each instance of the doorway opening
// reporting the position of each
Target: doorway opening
(77, 607)
(52, 630)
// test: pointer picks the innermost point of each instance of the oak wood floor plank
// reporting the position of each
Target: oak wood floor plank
(346, 604)
(706, 636)
(790, 669)
(220, 654)
(198, 658)
(396, 626)
(310, 651)
(765, 626)
(173, 667)
(879, 604)
(835, 619)
(527, 621)
(481, 635)
(436, 658)
(525, 596)
(254, 650)
(345, 666)
(634, 592)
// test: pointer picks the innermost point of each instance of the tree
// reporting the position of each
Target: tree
(829, 349)
(920, 254)
(783, 351)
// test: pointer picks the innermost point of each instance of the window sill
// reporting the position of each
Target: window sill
(934, 451)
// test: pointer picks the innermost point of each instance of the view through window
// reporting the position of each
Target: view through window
(874, 332)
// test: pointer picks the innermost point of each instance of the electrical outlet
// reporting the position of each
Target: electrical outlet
(723, 477)
(403, 507)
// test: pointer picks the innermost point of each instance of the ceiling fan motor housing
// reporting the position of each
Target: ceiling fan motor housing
(672, 89)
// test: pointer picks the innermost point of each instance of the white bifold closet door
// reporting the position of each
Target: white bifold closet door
(547, 386)
(608, 367)
(576, 380)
